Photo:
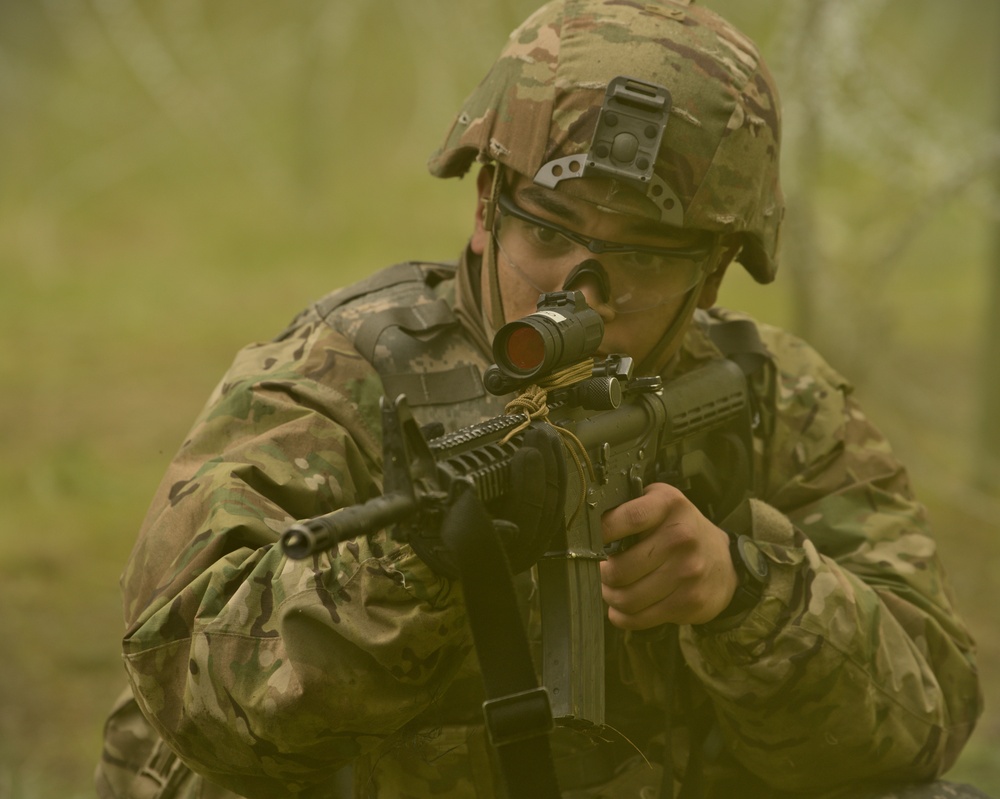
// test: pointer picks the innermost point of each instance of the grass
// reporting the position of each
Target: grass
(152, 222)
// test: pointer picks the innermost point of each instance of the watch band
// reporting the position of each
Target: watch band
(751, 573)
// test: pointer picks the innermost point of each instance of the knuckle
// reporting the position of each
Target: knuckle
(638, 515)
(693, 568)
(685, 537)
(611, 597)
(628, 623)
(665, 491)
(611, 575)
(620, 601)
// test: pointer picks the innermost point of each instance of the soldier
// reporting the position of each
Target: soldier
(628, 150)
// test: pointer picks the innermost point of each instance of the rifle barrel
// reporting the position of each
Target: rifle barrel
(325, 532)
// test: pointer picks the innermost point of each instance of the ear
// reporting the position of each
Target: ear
(480, 235)
(710, 290)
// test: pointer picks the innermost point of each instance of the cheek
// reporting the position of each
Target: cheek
(636, 334)
(519, 298)
(632, 335)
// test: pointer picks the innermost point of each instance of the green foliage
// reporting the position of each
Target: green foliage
(179, 178)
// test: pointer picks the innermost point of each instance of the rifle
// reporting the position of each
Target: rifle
(694, 434)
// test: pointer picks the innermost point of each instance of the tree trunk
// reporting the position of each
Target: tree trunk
(801, 249)
(987, 443)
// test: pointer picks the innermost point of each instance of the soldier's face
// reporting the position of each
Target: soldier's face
(644, 289)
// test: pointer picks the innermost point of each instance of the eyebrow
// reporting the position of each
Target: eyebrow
(551, 203)
(647, 227)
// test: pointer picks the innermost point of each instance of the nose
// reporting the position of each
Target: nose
(596, 301)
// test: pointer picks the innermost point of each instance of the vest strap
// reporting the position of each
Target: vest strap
(405, 272)
(411, 319)
(433, 388)
(739, 341)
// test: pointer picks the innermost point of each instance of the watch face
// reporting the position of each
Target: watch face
(752, 558)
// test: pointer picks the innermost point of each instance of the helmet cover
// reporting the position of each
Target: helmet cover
(546, 97)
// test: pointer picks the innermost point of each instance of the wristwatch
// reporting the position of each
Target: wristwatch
(751, 572)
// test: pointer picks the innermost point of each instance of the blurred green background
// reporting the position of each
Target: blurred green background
(179, 178)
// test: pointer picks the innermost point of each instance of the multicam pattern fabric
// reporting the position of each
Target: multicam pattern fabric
(719, 153)
(267, 675)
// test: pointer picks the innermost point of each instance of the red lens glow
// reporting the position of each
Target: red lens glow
(525, 348)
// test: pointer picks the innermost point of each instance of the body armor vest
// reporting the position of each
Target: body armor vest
(401, 321)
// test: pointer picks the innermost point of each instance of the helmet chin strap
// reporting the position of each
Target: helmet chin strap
(651, 363)
(494, 317)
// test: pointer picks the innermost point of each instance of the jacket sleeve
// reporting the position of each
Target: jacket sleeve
(265, 674)
(854, 665)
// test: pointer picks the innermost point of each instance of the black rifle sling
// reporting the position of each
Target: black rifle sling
(517, 713)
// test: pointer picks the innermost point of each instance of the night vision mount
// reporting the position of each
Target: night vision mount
(625, 146)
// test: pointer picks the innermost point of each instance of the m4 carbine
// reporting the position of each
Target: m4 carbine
(620, 434)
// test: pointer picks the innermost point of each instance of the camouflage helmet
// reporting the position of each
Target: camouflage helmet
(700, 110)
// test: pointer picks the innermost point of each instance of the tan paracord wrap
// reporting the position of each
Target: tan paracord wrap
(533, 403)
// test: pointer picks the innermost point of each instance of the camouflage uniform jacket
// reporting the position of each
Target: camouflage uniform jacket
(268, 675)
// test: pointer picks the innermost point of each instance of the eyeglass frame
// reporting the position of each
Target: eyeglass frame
(506, 205)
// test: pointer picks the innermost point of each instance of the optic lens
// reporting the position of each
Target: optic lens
(524, 348)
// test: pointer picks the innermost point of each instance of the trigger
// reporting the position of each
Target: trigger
(635, 489)
(635, 484)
